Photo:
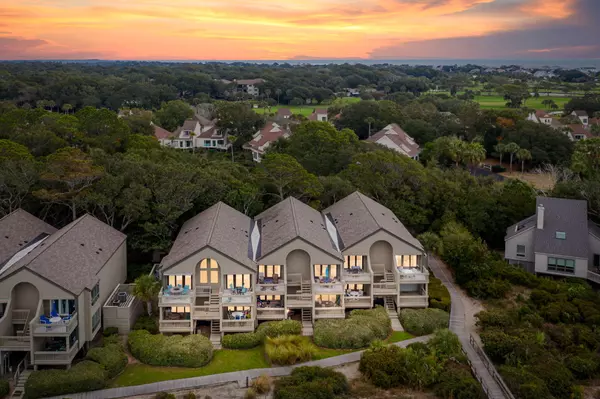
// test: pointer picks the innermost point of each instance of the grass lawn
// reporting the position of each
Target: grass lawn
(306, 110)
(498, 102)
(224, 361)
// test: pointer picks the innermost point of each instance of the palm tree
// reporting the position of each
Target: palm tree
(67, 108)
(51, 104)
(278, 92)
(523, 155)
(192, 135)
(146, 288)
(370, 120)
(512, 149)
(473, 153)
(500, 148)
(554, 105)
(456, 150)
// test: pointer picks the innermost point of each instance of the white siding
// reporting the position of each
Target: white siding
(524, 238)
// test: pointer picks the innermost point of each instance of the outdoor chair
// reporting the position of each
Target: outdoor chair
(53, 314)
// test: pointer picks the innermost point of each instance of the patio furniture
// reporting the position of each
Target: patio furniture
(275, 279)
(237, 315)
(177, 290)
(53, 313)
(55, 319)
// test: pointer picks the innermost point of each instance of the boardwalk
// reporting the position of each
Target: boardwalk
(214, 379)
(482, 367)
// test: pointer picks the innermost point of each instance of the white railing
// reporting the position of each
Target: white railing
(174, 299)
(298, 300)
(270, 289)
(51, 357)
(60, 327)
(20, 316)
(329, 312)
(203, 290)
(270, 313)
(167, 325)
(360, 277)
(246, 324)
(353, 301)
(385, 288)
(294, 278)
(328, 287)
(211, 311)
(15, 341)
(595, 277)
(227, 298)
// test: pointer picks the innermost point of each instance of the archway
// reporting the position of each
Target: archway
(209, 273)
(381, 254)
(25, 296)
(298, 265)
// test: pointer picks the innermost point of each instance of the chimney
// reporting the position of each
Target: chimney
(540, 217)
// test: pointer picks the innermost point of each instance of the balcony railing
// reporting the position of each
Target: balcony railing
(170, 299)
(203, 290)
(388, 288)
(413, 275)
(329, 313)
(175, 325)
(414, 300)
(206, 312)
(15, 342)
(332, 287)
(270, 289)
(20, 316)
(231, 298)
(357, 301)
(270, 313)
(356, 276)
(595, 277)
(237, 325)
(299, 300)
(62, 357)
(57, 328)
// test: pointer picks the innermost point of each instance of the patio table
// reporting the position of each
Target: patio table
(176, 290)
(56, 319)
(238, 315)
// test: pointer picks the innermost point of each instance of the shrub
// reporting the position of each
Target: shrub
(148, 323)
(357, 331)
(112, 340)
(108, 331)
(289, 349)
(439, 297)
(488, 288)
(583, 366)
(457, 382)
(82, 377)
(423, 321)
(274, 329)
(382, 365)
(189, 395)
(250, 394)
(311, 383)
(165, 395)
(498, 345)
(446, 344)
(4, 388)
(175, 350)
(556, 375)
(262, 384)
(241, 340)
(111, 357)
(524, 384)
(494, 318)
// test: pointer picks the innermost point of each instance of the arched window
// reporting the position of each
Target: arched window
(209, 271)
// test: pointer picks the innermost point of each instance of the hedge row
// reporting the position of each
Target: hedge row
(271, 329)
(111, 357)
(176, 350)
(439, 297)
(357, 331)
(82, 377)
(148, 323)
(4, 388)
(423, 321)
(312, 383)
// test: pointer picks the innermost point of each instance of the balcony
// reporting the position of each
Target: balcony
(325, 285)
(385, 288)
(363, 301)
(237, 297)
(329, 313)
(299, 300)
(55, 325)
(270, 289)
(183, 326)
(243, 325)
(412, 275)
(16, 343)
(175, 296)
(207, 312)
(270, 313)
(203, 290)
(356, 276)
(56, 357)
(595, 277)
(418, 299)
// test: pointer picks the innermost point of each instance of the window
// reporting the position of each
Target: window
(181, 280)
(209, 271)
(269, 270)
(96, 319)
(269, 297)
(407, 260)
(255, 155)
(63, 306)
(326, 271)
(354, 287)
(561, 265)
(214, 143)
(238, 280)
(220, 142)
(561, 235)
(188, 144)
(207, 143)
(180, 309)
(95, 293)
(335, 299)
(354, 260)
(238, 308)
(596, 260)
(520, 250)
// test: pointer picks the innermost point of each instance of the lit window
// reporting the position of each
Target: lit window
(561, 235)
(407, 260)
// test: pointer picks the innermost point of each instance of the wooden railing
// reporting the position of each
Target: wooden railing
(179, 324)
(299, 299)
(490, 367)
(203, 290)
(21, 367)
(59, 357)
(595, 277)
(329, 312)
(62, 327)
(206, 311)
(385, 287)
(175, 299)
(15, 341)
(237, 324)
(294, 278)
(20, 316)
(270, 313)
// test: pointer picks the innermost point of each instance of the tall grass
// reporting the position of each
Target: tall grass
(289, 349)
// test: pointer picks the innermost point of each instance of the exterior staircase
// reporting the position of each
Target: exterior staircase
(307, 326)
(21, 375)
(214, 299)
(305, 287)
(215, 333)
(390, 307)
(388, 277)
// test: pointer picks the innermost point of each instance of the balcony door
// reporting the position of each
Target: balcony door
(209, 272)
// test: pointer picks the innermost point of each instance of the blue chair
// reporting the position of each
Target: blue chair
(53, 314)
(186, 287)
(244, 290)
(231, 287)
(67, 317)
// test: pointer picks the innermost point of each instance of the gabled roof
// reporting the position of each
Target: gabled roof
(291, 219)
(161, 133)
(250, 81)
(270, 133)
(357, 217)
(580, 129)
(18, 230)
(542, 114)
(520, 227)
(219, 227)
(563, 215)
(399, 137)
(72, 256)
(211, 132)
(284, 112)
(580, 113)
(315, 114)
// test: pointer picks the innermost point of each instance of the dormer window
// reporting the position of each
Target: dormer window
(561, 235)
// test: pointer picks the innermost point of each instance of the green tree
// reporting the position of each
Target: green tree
(18, 175)
(512, 149)
(586, 157)
(146, 288)
(287, 177)
(370, 121)
(523, 155)
(431, 242)
(139, 121)
(473, 153)
(500, 148)
(238, 119)
(69, 173)
(67, 108)
(172, 114)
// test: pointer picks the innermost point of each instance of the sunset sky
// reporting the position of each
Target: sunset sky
(298, 29)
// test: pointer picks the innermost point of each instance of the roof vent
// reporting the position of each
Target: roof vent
(82, 244)
(5, 236)
(97, 253)
(350, 214)
(276, 220)
(382, 214)
(233, 228)
(185, 232)
(311, 221)
(100, 249)
(25, 241)
(20, 244)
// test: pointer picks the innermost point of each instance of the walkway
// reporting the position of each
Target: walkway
(214, 379)
(482, 368)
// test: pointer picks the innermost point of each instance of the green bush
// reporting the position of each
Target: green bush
(498, 345)
(165, 395)
(189, 395)
(488, 288)
(383, 366)
(112, 340)
(4, 388)
(457, 382)
(439, 297)
(241, 340)
(523, 384)
(82, 377)
(108, 331)
(262, 384)
(423, 321)
(274, 329)
(175, 350)
(111, 357)
(357, 331)
(494, 318)
(311, 383)
(446, 344)
(148, 323)
(556, 375)
(250, 394)
(289, 349)
(583, 366)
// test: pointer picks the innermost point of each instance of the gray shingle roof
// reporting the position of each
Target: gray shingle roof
(17, 230)
(73, 255)
(521, 226)
(564, 215)
(291, 219)
(219, 227)
(357, 216)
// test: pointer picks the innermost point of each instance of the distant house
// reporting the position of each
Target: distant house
(163, 136)
(352, 92)
(394, 137)
(540, 116)
(284, 113)
(558, 239)
(579, 132)
(582, 115)
(249, 86)
(264, 138)
(319, 114)
(198, 132)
